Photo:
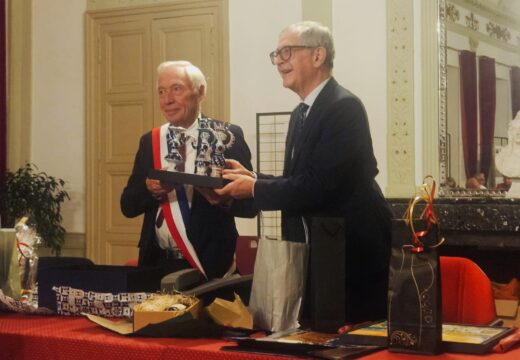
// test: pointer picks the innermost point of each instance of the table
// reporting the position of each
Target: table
(51, 337)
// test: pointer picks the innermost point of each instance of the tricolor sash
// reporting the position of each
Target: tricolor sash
(177, 209)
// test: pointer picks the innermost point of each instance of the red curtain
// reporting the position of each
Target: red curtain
(468, 105)
(3, 93)
(515, 89)
(487, 107)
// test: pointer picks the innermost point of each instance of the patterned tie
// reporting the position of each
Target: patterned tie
(301, 111)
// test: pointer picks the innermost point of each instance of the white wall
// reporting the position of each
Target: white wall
(254, 81)
(58, 109)
(58, 82)
(359, 29)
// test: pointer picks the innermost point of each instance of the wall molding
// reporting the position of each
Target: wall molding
(430, 87)
(400, 85)
(19, 34)
(109, 4)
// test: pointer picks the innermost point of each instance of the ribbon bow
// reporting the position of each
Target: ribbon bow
(426, 194)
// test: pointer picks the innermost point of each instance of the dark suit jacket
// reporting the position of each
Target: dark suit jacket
(332, 173)
(211, 229)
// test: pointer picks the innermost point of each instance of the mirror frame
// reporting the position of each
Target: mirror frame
(443, 145)
(443, 83)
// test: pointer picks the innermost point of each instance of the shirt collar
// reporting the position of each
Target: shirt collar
(193, 128)
(309, 99)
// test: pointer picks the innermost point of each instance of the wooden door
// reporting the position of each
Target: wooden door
(124, 48)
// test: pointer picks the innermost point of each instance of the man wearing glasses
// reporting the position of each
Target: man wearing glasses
(329, 168)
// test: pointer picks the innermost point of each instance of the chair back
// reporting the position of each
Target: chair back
(131, 262)
(467, 294)
(245, 253)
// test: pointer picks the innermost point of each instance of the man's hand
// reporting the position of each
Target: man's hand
(240, 187)
(234, 167)
(158, 189)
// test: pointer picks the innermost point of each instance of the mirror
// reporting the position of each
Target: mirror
(479, 46)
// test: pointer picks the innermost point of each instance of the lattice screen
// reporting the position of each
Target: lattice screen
(271, 129)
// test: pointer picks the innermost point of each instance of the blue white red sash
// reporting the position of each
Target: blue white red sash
(172, 210)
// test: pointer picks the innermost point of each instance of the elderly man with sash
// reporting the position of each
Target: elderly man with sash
(181, 229)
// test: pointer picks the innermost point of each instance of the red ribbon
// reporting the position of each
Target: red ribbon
(19, 245)
(428, 215)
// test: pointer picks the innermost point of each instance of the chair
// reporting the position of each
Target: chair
(467, 294)
(188, 280)
(245, 254)
(131, 262)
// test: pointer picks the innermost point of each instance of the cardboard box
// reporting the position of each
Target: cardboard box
(233, 314)
(98, 278)
(142, 319)
(507, 310)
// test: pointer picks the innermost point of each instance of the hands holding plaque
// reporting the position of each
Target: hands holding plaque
(242, 181)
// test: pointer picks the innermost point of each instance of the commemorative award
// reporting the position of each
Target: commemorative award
(214, 138)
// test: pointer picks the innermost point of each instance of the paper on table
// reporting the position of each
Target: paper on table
(228, 313)
(121, 326)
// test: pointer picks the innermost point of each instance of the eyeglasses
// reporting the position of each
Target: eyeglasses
(285, 52)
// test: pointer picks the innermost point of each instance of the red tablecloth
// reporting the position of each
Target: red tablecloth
(51, 337)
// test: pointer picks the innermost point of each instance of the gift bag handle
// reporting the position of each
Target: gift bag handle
(425, 194)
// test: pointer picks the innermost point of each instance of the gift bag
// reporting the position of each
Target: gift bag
(9, 268)
(414, 292)
(278, 284)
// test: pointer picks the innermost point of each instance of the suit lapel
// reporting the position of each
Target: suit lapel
(311, 121)
(289, 144)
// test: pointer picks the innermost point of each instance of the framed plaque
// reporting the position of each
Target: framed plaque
(175, 177)
(456, 338)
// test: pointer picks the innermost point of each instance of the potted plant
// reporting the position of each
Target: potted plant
(27, 192)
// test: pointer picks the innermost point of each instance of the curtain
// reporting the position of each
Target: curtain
(515, 89)
(487, 107)
(468, 105)
(3, 93)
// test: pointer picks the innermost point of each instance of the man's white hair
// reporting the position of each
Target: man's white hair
(312, 33)
(194, 74)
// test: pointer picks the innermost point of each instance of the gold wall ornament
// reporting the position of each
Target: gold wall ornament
(498, 32)
(452, 13)
(472, 22)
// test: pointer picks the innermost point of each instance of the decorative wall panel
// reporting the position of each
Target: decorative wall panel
(400, 57)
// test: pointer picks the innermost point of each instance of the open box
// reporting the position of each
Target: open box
(507, 311)
(141, 319)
